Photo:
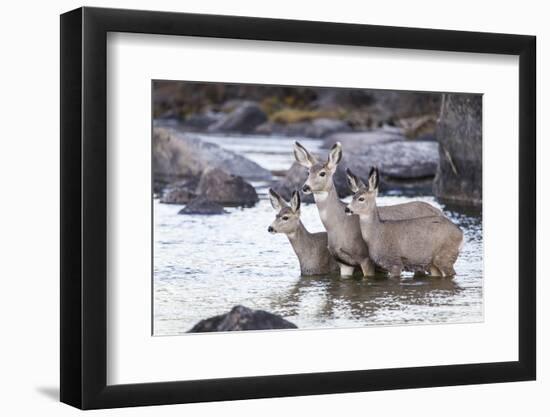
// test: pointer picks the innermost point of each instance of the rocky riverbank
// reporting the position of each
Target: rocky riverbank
(423, 143)
(185, 169)
(407, 168)
(313, 112)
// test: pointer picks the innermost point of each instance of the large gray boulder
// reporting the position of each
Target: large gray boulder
(242, 318)
(218, 186)
(459, 132)
(243, 119)
(400, 160)
(404, 165)
(178, 155)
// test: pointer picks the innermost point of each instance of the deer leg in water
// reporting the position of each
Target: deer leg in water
(368, 268)
(451, 272)
(444, 263)
(346, 270)
(395, 271)
(435, 272)
(447, 271)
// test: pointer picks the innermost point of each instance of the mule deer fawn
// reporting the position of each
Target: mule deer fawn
(345, 242)
(418, 245)
(310, 248)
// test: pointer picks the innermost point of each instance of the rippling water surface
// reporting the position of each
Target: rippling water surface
(204, 265)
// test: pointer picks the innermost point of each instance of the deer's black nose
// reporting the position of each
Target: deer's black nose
(347, 210)
(306, 189)
(270, 229)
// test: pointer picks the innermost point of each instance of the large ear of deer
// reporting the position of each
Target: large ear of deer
(303, 157)
(335, 155)
(295, 201)
(373, 179)
(277, 201)
(353, 181)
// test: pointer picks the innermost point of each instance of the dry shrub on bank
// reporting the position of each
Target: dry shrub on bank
(292, 115)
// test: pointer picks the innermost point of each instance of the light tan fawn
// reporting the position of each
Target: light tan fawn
(310, 248)
(427, 244)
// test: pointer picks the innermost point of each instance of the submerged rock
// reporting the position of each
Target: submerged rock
(243, 119)
(201, 205)
(459, 133)
(293, 180)
(402, 160)
(178, 155)
(242, 318)
(404, 165)
(180, 192)
(228, 190)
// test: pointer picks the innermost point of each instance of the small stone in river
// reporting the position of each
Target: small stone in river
(202, 205)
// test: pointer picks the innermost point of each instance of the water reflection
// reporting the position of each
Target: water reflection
(362, 299)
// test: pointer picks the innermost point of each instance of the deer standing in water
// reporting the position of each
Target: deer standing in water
(310, 248)
(418, 245)
(345, 241)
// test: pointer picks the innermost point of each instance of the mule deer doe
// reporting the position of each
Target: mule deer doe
(345, 242)
(422, 244)
(310, 248)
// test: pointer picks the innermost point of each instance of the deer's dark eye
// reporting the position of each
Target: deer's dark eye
(285, 218)
(361, 199)
(322, 174)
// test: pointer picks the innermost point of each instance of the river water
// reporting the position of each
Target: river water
(205, 265)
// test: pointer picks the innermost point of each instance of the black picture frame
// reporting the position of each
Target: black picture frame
(84, 207)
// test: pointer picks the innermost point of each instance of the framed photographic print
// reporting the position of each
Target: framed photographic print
(257, 208)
